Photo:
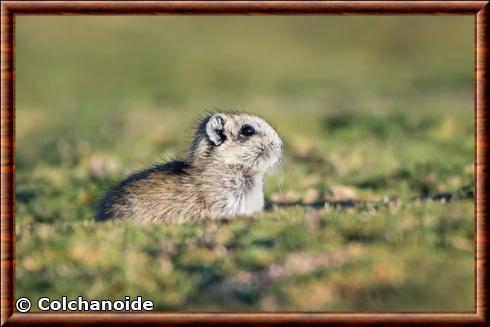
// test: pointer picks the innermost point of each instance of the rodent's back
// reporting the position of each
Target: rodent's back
(154, 184)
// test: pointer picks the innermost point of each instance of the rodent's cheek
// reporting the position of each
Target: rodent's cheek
(222, 154)
(236, 156)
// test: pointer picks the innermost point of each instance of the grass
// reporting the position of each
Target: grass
(375, 109)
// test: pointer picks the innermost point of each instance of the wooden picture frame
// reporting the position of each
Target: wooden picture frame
(10, 9)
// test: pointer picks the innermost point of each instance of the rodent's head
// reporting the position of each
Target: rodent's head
(237, 139)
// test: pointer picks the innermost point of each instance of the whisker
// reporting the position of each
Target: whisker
(281, 189)
(278, 182)
(290, 166)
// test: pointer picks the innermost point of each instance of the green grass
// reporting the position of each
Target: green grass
(378, 109)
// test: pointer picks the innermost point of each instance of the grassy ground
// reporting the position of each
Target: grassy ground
(375, 109)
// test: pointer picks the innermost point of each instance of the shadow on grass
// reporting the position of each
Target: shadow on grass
(353, 203)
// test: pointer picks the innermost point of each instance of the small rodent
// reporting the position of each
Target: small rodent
(223, 175)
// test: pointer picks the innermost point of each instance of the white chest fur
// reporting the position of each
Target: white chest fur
(252, 200)
(239, 195)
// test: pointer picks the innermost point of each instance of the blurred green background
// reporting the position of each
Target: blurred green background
(373, 109)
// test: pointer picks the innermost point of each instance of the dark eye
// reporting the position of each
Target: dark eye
(247, 130)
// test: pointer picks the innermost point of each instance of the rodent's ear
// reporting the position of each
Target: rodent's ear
(215, 129)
